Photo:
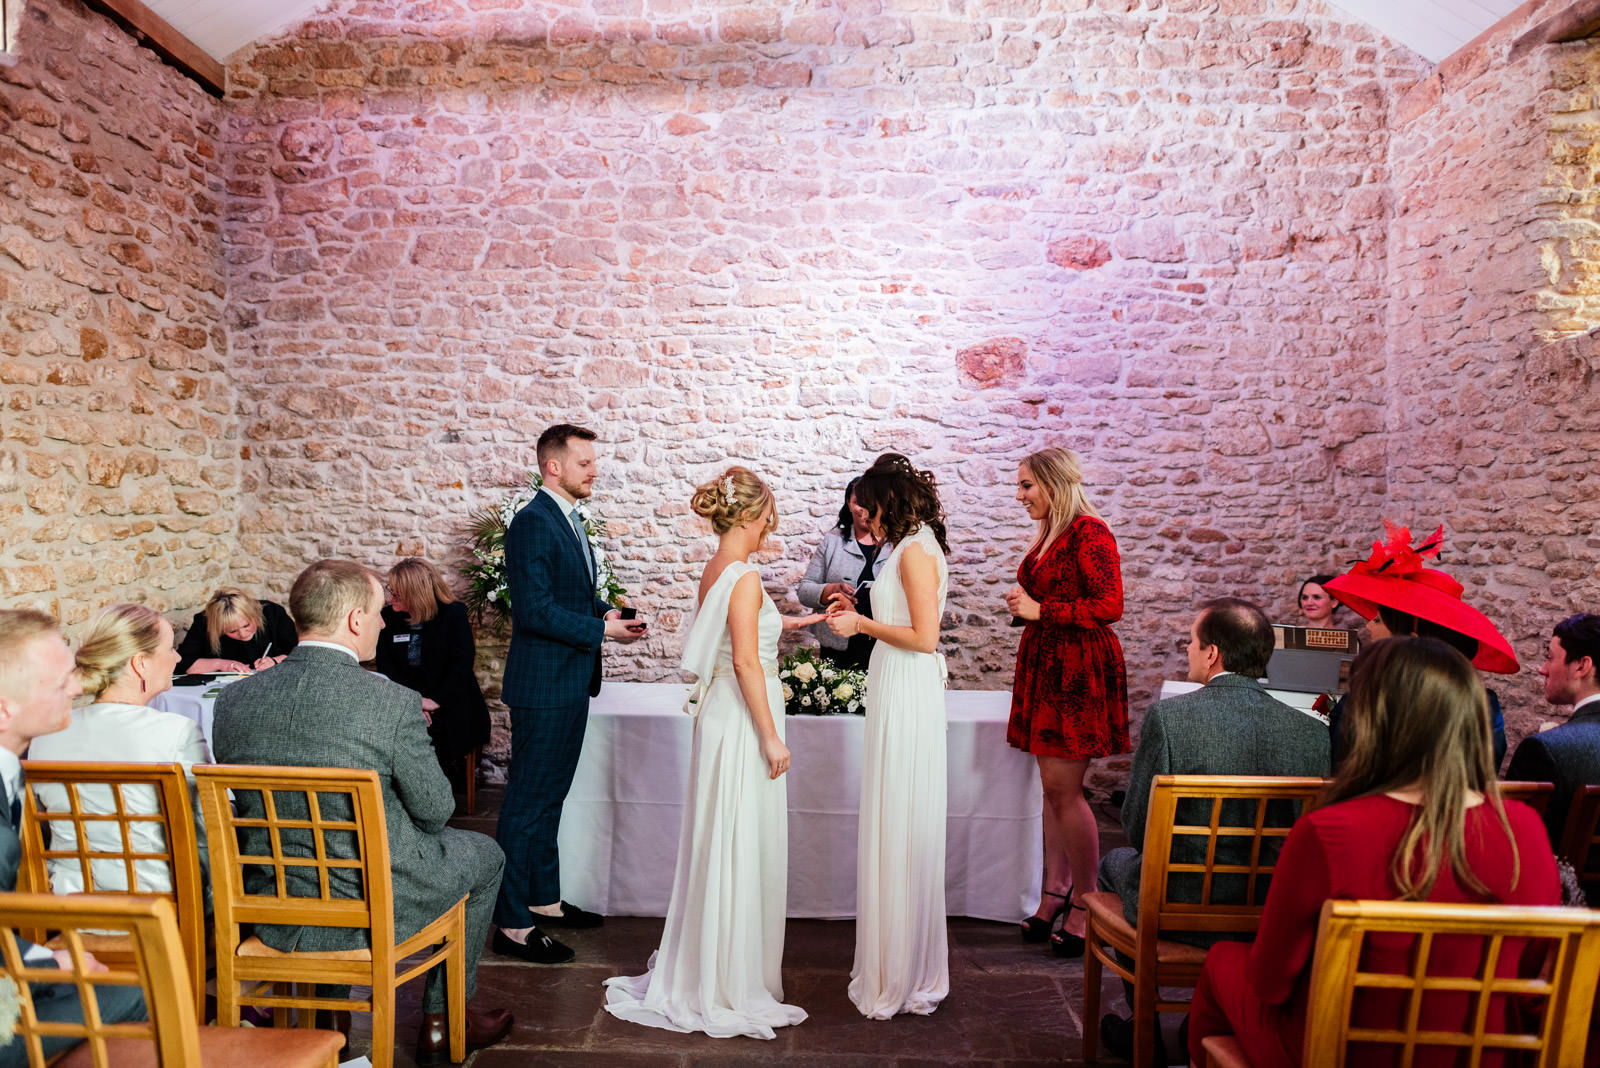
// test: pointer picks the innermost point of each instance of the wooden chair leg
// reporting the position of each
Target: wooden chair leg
(1145, 1020)
(1091, 996)
(472, 780)
(383, 1025)
(456, 994)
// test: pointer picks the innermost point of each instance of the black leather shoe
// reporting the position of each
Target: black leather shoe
(539, 949)
(484, 1029)
(1116, 1035)
(574, 917)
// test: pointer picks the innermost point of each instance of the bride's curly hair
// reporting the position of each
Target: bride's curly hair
(902, 498)
(736, 496)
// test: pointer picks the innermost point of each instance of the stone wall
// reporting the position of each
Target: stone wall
(118, 466)
(1491, 369)
(796, 235)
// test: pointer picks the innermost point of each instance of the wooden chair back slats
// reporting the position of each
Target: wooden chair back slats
(1210, 845)
(148, 811)
(170, 1034)
(1240, 851)
(308, 847)
(1553, 1005)
(157, 965)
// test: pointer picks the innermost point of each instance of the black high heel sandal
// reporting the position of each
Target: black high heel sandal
(1038, 928)
(1065, 944)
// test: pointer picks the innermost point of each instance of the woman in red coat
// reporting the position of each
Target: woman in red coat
(1414, 815)
(1069, 701)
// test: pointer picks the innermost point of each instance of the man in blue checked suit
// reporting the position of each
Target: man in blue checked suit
(557, 626)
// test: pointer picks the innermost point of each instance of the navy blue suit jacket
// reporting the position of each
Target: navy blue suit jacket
(557, 620)
(1567, 756)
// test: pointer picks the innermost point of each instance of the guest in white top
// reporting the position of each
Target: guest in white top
(126, 659)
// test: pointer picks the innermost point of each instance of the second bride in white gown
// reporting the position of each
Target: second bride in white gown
(719, 966)
(902, 952)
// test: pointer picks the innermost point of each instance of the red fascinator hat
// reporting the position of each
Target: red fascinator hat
(1393, 577)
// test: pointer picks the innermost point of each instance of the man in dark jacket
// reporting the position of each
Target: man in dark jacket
(1567, 756)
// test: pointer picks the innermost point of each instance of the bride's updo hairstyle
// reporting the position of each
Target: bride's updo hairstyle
(736, 496)
(901, 498)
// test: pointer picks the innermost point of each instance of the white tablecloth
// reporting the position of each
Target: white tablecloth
(191, 702)
(619, 829)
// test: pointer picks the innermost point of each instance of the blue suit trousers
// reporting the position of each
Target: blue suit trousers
(545, 744)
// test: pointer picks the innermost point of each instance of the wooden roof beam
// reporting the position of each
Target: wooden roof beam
(1579, 21)
(152, 30)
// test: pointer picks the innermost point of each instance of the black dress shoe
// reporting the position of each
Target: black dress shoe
(483, 1029)
(574, 917)
(539, 949)
(1116, 1035)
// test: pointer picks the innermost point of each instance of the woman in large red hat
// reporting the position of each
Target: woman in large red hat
(1398, 596)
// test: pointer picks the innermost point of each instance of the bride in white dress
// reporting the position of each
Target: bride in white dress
(719, 966)
(902, 955)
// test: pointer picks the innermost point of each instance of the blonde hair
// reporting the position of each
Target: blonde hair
(115, 636)
(229, 609)
(327, 591)
(736, 496)
(419, 584)
(1060, 473)
(20, 627)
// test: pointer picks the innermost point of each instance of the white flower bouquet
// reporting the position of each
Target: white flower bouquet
(814, 687)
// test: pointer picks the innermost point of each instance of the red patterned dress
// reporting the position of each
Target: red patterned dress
(1070, 696)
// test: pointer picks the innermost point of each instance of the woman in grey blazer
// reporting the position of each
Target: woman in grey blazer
(846, 562)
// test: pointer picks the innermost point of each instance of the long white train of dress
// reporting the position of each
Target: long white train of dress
(719, 966)
(902, 952)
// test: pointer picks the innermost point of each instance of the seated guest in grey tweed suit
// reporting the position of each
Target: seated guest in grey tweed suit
(1569, 755)
(320, 708)
(1230, 726)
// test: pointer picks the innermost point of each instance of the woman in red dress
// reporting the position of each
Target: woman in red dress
(1069, 701)
(1414, 815)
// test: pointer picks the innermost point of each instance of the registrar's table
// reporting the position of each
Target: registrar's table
(619, 829)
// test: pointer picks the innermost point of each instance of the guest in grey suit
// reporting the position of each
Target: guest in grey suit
(1567, 756)
(320, 708)
(1230, 726)
(37, 685)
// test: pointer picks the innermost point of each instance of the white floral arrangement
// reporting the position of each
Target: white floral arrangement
(814, 687)
(488, 588)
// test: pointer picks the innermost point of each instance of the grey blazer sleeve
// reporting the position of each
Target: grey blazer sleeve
(1151, 759)
(416, 777)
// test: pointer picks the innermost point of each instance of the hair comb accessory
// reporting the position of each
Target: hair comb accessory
(727, 490)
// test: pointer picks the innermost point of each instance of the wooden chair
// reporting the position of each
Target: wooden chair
(1226, 815)
(1580, 840)
(1549, 1031)
(170, 1036)
(1536, 795)
(108, 821)
(319, 834)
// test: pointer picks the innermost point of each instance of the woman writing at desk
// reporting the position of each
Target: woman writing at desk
(236, 633)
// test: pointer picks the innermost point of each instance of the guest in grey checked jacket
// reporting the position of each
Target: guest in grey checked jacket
(320, 708)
